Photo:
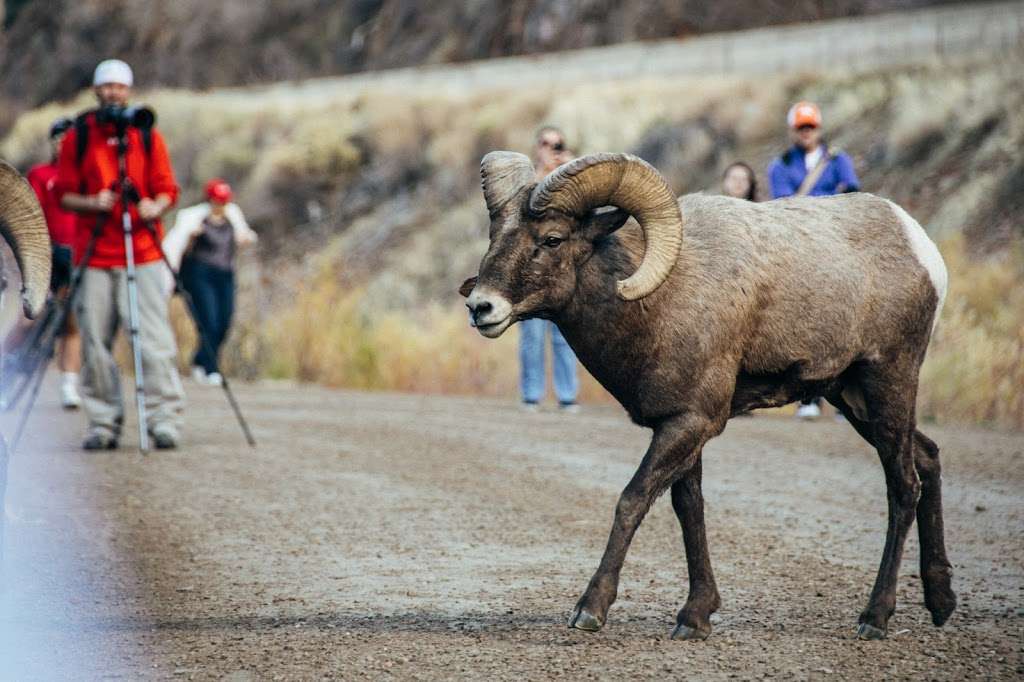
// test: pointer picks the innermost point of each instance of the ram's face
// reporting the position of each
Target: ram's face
(529, 269)
(542, 232)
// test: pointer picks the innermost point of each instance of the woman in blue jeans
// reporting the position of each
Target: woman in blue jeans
(549, 153)
(532, 379)
(207, 236)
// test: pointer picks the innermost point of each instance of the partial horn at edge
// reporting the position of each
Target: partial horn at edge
(24, 227)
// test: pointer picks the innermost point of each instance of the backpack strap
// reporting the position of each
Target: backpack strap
(82, 135)
(812, 177)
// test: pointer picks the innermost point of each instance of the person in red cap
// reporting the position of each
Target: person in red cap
(204, 241)
(810, 168)
(61, 225)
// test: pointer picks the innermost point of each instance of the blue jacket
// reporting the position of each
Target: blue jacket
(786, 172)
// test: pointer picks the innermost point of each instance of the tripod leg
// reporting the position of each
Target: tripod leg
(133, 324)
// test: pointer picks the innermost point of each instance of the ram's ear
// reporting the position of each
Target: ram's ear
(467, 287)
(603, 221)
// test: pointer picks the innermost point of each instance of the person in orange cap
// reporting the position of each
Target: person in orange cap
(205, 239)
(810, 167)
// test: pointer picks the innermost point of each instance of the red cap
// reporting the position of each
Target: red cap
(218, 190)
(804, 114)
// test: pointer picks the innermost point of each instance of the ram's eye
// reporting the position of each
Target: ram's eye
(552, 241)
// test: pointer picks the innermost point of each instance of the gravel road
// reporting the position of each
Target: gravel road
(415, 537)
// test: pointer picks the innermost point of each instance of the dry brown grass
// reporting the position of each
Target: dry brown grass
(974, 371)
(328, 337)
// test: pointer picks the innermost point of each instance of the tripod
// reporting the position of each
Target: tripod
(48, 336)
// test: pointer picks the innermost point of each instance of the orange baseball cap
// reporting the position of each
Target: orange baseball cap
(804, 114)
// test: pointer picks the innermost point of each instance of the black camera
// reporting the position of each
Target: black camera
(139, 116)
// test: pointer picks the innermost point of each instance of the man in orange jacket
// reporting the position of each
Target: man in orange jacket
(87, 183)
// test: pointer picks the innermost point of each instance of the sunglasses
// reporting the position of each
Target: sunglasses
(556, 146)
(807, 127)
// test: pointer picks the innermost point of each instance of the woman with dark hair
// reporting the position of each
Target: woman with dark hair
(739, 181)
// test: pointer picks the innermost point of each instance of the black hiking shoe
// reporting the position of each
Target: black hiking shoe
(99, 441)
(164, 440)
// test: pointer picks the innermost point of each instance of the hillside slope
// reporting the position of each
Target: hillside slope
(367, 198)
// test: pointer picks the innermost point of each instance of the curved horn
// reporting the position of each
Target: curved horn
(504, 174)
(633, 185)
(23, 226)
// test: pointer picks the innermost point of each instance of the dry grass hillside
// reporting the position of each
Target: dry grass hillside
(369, 206)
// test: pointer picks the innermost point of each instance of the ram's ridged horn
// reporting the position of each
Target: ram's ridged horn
(632, 184)
(23, 226)
(504, 174)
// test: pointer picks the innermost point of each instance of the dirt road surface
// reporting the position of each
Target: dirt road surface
(413, 537)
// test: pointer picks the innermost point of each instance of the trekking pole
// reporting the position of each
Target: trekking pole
(36, 381)
(203, 339)
(133, 293)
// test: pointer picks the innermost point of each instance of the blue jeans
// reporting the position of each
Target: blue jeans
(213, 297)
(531, 362)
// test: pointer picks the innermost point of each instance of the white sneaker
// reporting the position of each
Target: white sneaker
(69, 398)
(214, 379)
(198, 375)
(811, 411)
(528, 406)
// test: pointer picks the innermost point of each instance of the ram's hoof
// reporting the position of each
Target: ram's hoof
(683, 631)
(865, 631)
(585, 620)
(941, 602)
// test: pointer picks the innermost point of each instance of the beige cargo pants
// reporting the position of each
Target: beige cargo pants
(102, 308)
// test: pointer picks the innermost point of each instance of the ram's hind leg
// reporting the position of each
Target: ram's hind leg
(886, 420)
(936, 572)
(693, 621)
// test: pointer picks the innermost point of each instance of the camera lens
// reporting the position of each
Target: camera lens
(140, 116)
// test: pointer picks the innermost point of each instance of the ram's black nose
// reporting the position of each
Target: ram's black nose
(478, 308)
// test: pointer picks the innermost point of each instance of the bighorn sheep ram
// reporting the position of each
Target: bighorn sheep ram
(23, 226)
(703, 313)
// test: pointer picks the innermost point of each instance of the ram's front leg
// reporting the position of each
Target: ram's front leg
(674, 449)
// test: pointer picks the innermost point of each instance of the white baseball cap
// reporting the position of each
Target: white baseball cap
(112, 71)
